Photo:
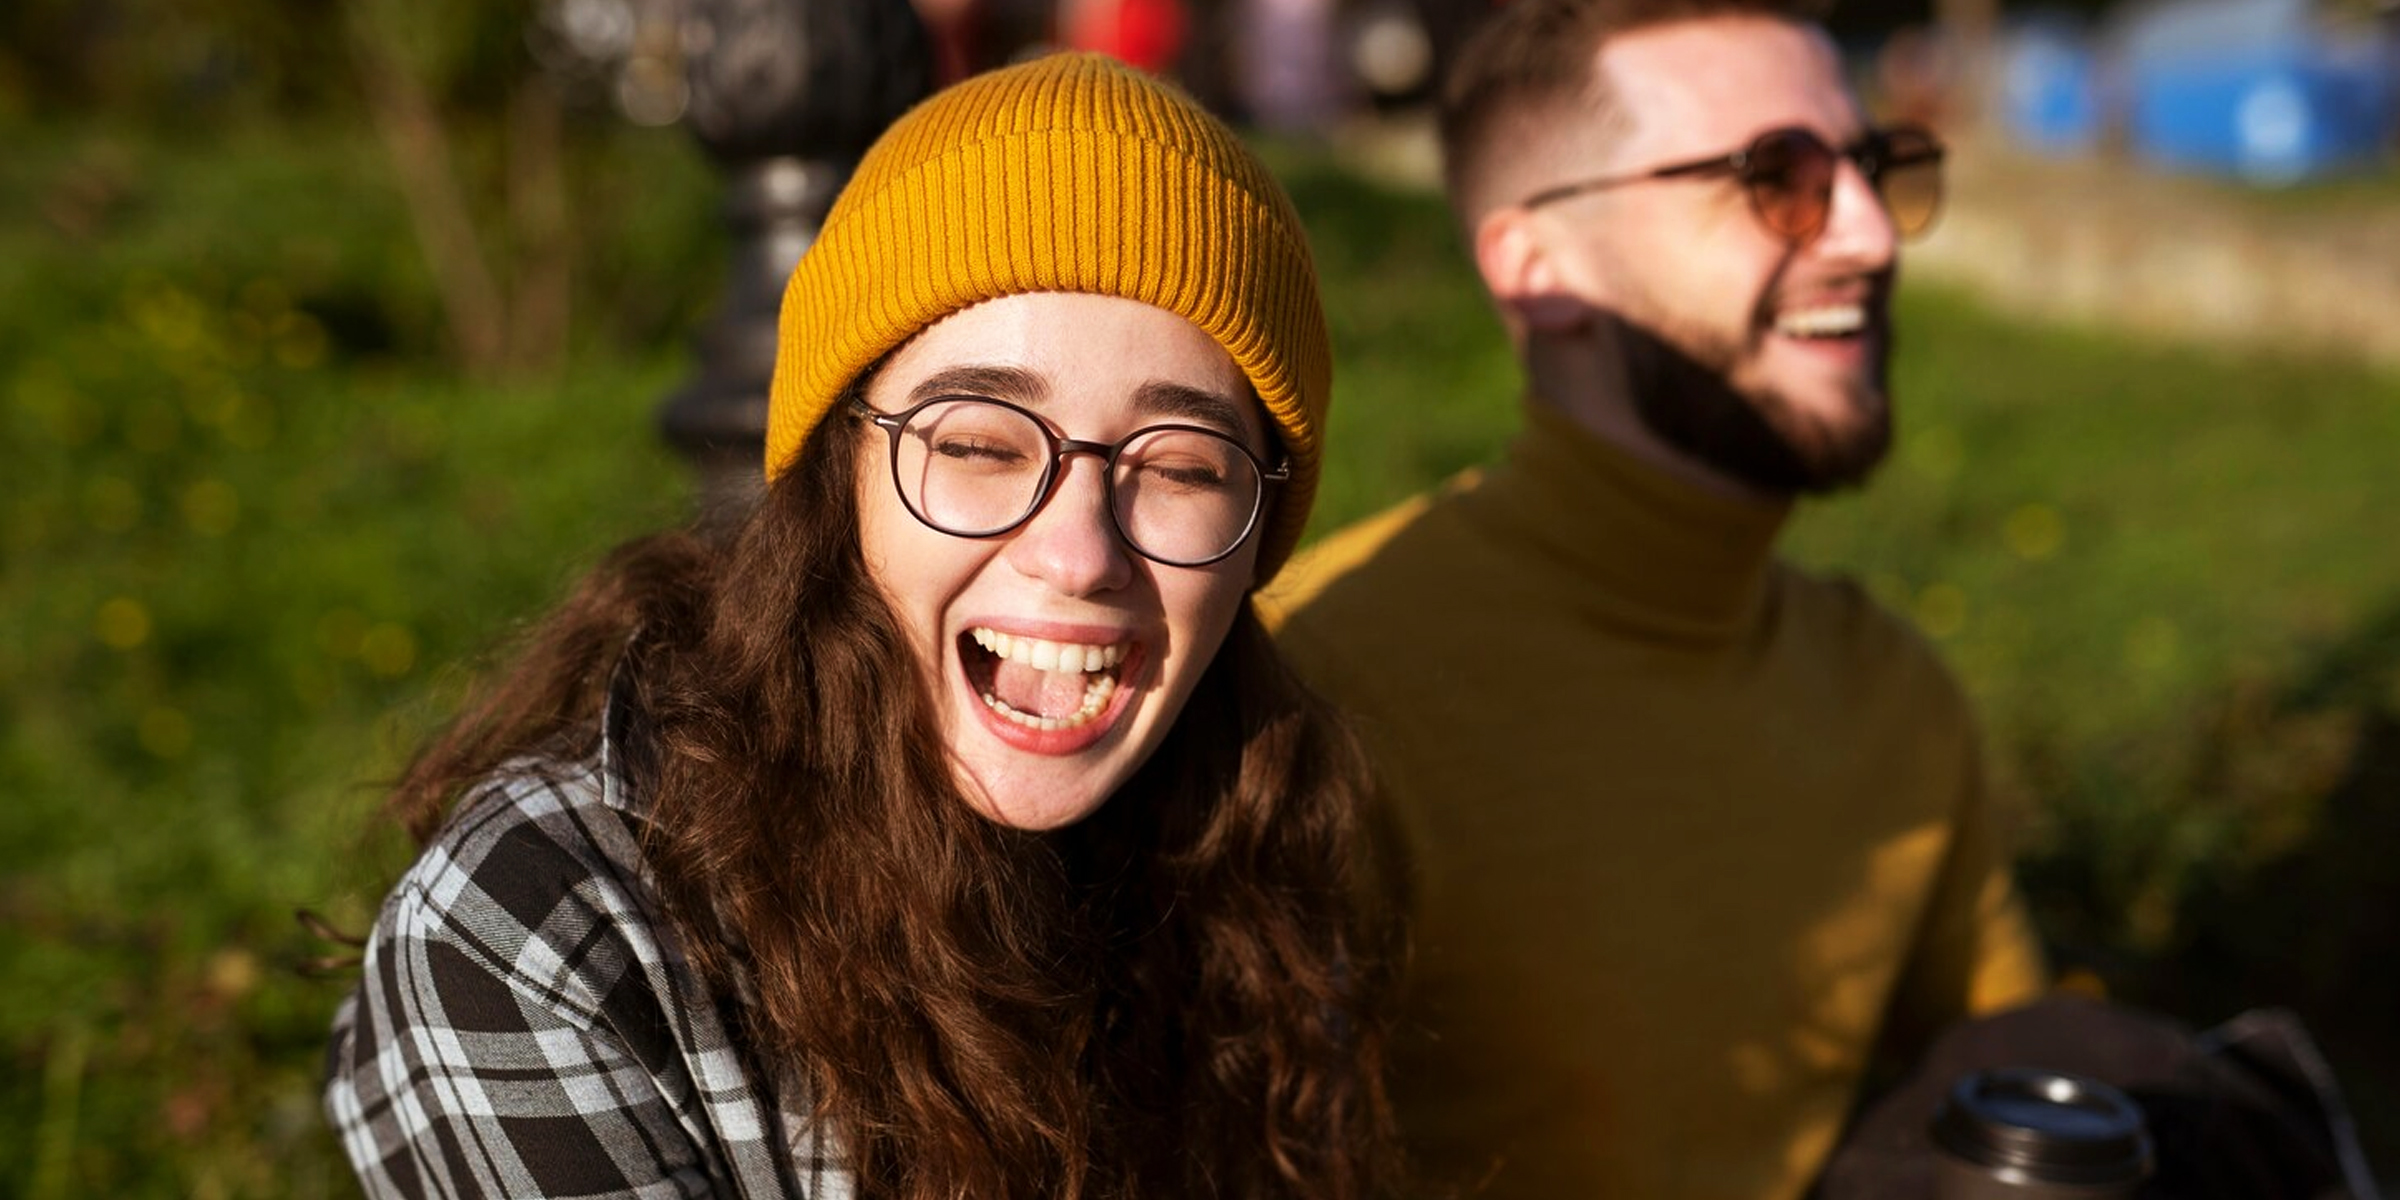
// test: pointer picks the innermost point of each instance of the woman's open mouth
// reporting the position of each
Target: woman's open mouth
(1042, 686)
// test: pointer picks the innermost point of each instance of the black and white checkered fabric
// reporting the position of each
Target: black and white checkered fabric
(527, 1025)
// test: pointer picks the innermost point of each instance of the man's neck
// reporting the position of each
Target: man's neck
(1595, 390)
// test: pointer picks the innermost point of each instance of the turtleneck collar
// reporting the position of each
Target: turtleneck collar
(1645, 548)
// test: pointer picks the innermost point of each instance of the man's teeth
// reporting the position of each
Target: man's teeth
(1049, 656)
(1095, 698)
(1831, 321)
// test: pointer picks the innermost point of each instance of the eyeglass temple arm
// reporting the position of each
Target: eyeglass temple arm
(1568, 190)
(1706, 166)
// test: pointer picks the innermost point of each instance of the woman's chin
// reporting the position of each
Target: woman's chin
(1036, 801)
(1044, 815)
(1035, 779)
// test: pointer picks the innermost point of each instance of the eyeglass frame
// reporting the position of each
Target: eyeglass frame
(1858, 153)
(1060, 447)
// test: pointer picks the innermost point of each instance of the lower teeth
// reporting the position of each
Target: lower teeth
(1095, 698)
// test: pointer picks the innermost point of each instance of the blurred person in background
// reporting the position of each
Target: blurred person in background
(973, 36)
(1696, 839)
(951, 827)
(956, 30)
(1148, 34)
(1288, 71)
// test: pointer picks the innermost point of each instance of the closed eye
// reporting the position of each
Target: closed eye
(1190, 474)
(978, 451)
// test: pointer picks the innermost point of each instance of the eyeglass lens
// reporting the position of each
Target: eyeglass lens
(1790, 175)
(976, 468)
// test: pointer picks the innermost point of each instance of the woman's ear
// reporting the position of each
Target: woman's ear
(1521, 270)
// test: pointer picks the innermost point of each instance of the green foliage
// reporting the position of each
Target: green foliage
(254, 524)
(2132, 552)
(1424, 384)
(194, 63)
(250, 524)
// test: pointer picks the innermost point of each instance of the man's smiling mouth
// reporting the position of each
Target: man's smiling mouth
(1822, 321)
(1041, 684)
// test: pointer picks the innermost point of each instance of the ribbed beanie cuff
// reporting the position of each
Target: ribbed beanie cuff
(1071, 173)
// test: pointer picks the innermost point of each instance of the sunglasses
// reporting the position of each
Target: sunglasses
(1789, 176)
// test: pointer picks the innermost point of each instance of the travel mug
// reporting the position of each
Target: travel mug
(2020, 1133)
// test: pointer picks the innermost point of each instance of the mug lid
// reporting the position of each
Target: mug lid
(2044, 1125)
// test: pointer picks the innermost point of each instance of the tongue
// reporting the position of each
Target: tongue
(1038, 693)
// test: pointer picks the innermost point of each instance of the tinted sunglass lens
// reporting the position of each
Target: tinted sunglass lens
(1913, 193)
(1909, 177)
(1790, 176)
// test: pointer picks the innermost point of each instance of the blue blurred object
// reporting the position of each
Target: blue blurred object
(2051, 94)
(2274, 116)
(2253, 88)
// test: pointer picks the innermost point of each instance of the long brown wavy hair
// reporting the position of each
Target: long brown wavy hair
(1183, 995)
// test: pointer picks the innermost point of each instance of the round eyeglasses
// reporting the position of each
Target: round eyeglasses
(1789, 172)
(974, 467)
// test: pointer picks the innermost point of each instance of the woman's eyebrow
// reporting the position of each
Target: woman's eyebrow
(1162, 399)
(1155, 399)
(1014, 384)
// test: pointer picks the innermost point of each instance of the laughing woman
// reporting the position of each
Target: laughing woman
(950, 829)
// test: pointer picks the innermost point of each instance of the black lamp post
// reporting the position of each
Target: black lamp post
(785, 95)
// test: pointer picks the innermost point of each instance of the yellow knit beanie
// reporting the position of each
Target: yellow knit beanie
(1071, 173)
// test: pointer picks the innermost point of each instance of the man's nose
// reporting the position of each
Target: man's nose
(1072, 543)
(1859, 230)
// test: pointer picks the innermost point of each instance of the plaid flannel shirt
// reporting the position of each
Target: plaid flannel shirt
(527, 1024)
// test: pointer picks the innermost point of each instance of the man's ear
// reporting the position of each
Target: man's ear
(1519, 267)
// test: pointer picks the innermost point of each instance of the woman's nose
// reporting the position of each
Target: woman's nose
(1072, 543)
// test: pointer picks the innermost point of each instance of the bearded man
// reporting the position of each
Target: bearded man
(1694, 837)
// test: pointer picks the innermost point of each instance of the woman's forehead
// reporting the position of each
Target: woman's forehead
(1067, 353)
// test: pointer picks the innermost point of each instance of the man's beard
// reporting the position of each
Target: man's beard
(1685, 391)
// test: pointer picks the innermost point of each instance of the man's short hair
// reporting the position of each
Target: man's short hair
(1534, 54)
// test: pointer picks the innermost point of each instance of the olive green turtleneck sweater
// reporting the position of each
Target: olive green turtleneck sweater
(1684, 823)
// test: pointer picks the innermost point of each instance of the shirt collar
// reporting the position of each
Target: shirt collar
(1641, 545)
(620, 739)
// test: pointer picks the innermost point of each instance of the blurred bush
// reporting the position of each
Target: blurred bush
(498, 137)
(253, 512)
(195, 63)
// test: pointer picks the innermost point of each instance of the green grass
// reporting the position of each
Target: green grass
(252, 523)
(250, 520)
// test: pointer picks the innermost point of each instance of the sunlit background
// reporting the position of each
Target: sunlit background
(336, 336)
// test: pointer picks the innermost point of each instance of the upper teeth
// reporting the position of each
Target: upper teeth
(1823, 322)
(1044, 655)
